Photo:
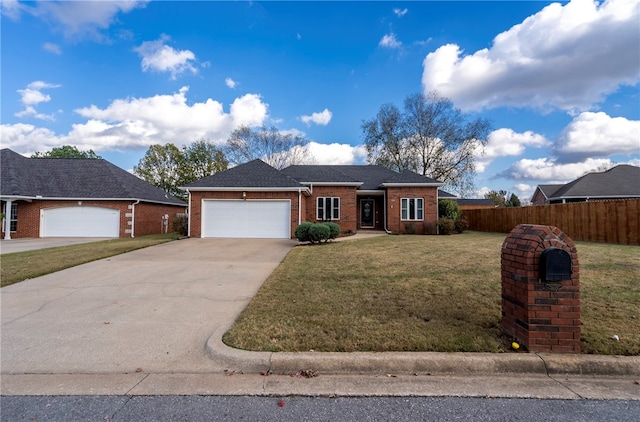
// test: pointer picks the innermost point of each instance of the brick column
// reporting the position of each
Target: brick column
(542, 315)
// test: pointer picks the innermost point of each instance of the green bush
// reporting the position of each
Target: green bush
(334, 229)
(302, 231)
(446, 225)
(461, 224)
(448, 208)
(319, 233)
(180, 224)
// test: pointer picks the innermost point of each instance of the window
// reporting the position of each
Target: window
(412, 209)
(328, 208)
(13, 218)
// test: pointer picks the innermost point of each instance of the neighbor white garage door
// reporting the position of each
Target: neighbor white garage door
(246, 219)
(79, 222)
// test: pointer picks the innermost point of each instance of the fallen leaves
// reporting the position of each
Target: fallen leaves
(306, 373)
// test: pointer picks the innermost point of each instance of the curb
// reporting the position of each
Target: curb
(432, 363)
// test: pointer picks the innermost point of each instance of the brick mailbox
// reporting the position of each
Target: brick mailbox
(541, 289)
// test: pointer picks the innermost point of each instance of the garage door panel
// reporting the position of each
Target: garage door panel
(246, 219)
(80, 222)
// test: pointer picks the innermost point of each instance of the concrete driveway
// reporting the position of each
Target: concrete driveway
(150, 310)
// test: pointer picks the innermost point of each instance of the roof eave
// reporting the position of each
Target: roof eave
(333, 183)
(401, 185)
(245, 188)
(79, 198)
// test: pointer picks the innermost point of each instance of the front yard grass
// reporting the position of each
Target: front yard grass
(424, 293)
(19, 266)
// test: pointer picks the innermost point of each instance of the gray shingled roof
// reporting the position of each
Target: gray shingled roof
(371, 177)
(73, 178)
(476, 201)
(254, 174)
(620, 181)
(549, 190)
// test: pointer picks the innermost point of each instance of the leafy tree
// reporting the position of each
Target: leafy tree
(169, 167)
(430, 137)
(161, 166)
(268, 144)
(66, 151)
(448, 208)
(202, 159)
(503, 199)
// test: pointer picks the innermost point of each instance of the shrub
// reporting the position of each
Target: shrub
(461, 224)
(334, 229)
(446, 225)
(180, 224)
(319, 233)
(448, 208)
(302, 232)
(410, 228)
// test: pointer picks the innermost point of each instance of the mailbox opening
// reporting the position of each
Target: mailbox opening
(555, 265)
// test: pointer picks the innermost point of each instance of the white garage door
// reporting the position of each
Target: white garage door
(79, 222)
(246, 219)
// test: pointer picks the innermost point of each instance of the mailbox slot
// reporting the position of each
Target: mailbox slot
(555, 265)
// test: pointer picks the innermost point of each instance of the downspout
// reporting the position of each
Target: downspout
(299, 206)
(384, 202)
(133, 217)
(189, 215)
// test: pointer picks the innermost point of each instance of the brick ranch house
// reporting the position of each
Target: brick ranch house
(256, 200)
(73, 197)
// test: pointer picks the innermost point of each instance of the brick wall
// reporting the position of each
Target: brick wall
(428, 225)
(28, 225)
(197, 197)
(543, 316)
(348, 205)
(148, 218)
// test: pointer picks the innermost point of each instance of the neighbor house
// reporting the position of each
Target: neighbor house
(75, 197)
(256, 200)
(619, 182)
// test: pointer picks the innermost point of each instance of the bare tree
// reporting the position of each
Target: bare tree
(268, 144)
(430, 137)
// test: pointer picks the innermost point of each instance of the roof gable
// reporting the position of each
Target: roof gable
(74, 178)
(254, 174)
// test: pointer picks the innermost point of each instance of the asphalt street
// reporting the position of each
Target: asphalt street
(279, 409)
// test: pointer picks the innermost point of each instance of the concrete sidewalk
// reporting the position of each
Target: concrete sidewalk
(151, 322)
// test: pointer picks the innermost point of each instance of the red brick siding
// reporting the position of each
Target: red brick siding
(538, 198)
(148, 218)
(430, 196)
(542, 319)
(29, 215)
(197, 197)
(348, 205)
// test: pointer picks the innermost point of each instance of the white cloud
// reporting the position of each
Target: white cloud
(337, 154)
(565, 56)
(157, 56)
(137, 123)
(548, 169)
(31, 96)
(321, 118)
(230, 83)
(52, 48)
(599, 135)
(390, 41)
(400, 12)
(505, 142)
(74, 18)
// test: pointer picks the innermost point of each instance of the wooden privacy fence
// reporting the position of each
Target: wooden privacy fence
(616, 221)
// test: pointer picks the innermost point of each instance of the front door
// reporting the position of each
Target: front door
(367, 212)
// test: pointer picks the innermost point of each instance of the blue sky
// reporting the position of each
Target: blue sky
(559, 81)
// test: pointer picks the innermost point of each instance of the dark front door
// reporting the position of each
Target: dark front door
(367, 213)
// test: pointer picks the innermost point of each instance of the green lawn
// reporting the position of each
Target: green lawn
(424, 293)
(19, 266)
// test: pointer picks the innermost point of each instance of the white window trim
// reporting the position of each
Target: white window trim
(332, 200)
(13, 217)
(404, 206)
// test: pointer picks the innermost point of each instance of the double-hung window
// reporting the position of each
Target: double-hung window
(328, 208)
(13, 217)
(412, 209)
